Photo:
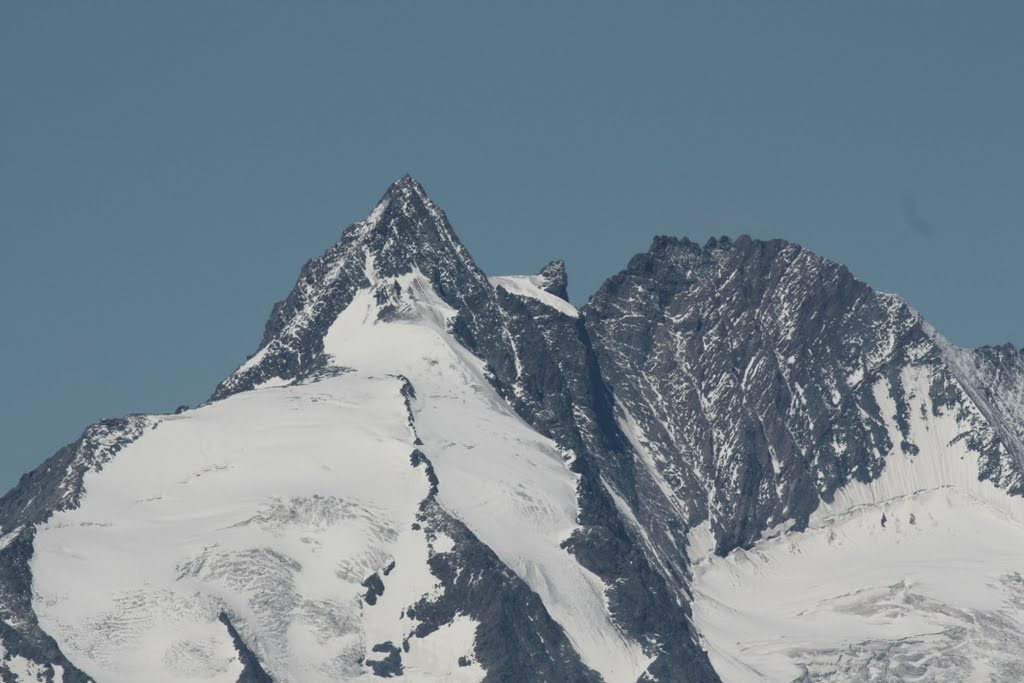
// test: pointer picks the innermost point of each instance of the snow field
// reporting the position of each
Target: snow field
(273, 506)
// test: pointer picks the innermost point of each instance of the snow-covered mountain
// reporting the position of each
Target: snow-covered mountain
(736, 462)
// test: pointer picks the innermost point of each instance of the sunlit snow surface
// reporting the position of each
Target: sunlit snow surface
(275, 504)
(934, 592)
(531, 287)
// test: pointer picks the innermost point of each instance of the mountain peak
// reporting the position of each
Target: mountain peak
(404, 199)
(554, 279)
(406, 232)
(406, 193)
(406, 181)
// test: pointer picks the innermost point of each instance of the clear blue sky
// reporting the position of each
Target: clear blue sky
(166, 168)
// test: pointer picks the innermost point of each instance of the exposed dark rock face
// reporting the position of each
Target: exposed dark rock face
(555, 280)
(252, 670)
(751, 368)
(374, 588)
(391, 662)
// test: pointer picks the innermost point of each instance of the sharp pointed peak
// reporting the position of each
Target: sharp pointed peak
(406, 230)
(406, 198)
(407, 192)
(405, 233)
(405, 185)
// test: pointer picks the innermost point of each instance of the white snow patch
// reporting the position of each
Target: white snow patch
(26, 671)
(443, 543)
(9, 537)
(272, 382)
(700, 542)
(436, 657)
(252, 362)
(531, 286)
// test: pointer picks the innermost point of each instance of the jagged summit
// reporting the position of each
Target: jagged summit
(407, 230)
(743, 242)
(405, 233)
(404, 189)
(555, 280)
(406, 183)
(678, 265)
(407, 212)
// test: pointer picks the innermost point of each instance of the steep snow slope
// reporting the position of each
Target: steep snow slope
(914, 576)
(994, 378)
(510, 486)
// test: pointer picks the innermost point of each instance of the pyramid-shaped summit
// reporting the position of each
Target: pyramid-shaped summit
(736, 462)
(406, 229)
(405, 232)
